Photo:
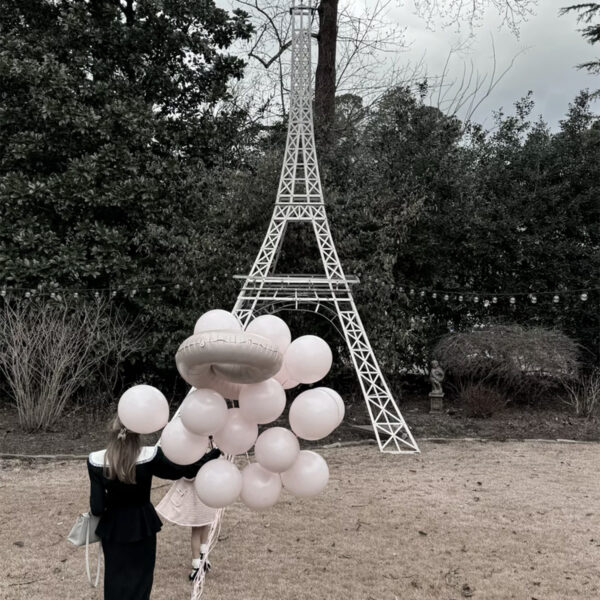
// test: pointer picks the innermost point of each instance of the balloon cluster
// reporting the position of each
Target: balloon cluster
(280, 462)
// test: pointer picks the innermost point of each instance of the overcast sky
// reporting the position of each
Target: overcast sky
(551, 47)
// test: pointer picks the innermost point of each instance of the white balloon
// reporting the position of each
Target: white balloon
(339, 402)
(237, 435)
(180, 445)
(308, 476)
(218, 483)
(262, 402)
(276, 449)
(314, 414)
(308, 359)
(284, 377)
(217, 319)
(260, 488)
(203, 411)
(143, 409)
(273, 328)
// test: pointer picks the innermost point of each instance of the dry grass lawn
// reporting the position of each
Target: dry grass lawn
(463, 519)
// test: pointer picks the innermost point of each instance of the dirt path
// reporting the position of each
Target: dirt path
(464, 519)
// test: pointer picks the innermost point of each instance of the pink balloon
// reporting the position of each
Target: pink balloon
(180, 445)
(338, 400)
(260, 488)
(203, 411)
(276, 449)
(308, 476)
(284, 377)
(262, 402)
(308, 359)
(217, 319)
(237, 435)
(273, 328)
(218, 483)
(313, 415)
(143, 409)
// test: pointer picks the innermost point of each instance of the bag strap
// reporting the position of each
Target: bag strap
(87, 556)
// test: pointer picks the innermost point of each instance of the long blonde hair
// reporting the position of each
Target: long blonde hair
(122, 452)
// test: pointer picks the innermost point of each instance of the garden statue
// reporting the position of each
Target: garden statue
(436, 396)
(436, 376)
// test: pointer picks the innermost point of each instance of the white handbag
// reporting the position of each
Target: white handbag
(82, 533)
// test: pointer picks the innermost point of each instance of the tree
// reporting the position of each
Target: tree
(588, 11)
(325, 80)
(351, 46)
(116, 128)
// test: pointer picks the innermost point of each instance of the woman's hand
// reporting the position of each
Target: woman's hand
(212, 454)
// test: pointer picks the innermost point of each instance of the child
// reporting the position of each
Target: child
(182, 506)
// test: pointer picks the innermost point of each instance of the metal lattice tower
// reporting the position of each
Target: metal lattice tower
(300, 198)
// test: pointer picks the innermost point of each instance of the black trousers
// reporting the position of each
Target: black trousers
(129, 569)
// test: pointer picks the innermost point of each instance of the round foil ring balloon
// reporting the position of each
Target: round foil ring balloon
(221, 360)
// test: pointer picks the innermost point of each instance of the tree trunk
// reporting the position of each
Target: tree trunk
(325, 76)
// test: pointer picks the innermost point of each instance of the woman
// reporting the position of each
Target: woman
(121, 480)
(181, 506)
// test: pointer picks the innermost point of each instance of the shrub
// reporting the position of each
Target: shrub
(583, 395)
(481, 401)
(521, 362)
(51, 350)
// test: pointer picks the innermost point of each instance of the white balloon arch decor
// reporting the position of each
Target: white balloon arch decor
(251, 369)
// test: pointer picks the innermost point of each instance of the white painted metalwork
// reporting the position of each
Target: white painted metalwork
(300, 198)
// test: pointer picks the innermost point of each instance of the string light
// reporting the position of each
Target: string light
(54, 291)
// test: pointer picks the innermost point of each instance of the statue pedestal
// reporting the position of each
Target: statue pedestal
(436, 402)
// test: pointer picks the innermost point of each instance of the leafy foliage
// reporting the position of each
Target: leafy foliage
(114, 123)
(588, 11)
(481, 401)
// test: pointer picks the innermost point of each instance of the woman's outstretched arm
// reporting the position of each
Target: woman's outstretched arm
(164, 468)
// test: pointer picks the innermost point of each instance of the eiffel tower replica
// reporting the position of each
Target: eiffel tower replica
(300, 198)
